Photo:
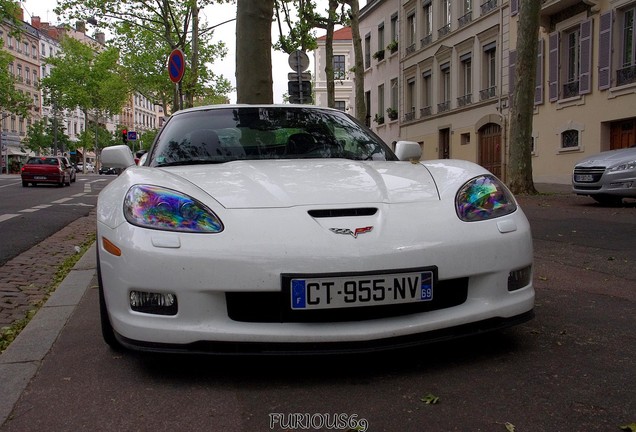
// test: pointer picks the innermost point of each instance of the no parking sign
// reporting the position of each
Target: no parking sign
(176, 65)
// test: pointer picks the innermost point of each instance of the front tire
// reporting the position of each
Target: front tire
(108, 334)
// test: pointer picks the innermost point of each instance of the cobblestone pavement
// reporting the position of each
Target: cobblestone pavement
(26, 279)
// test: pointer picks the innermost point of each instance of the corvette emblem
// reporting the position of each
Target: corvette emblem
(353, 233)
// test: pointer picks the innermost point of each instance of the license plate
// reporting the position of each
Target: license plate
(355, 291)
(39, 177)
(583, 178)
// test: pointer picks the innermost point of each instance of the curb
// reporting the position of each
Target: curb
(21, 360)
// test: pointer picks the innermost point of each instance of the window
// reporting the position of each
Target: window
(445, 88)
(467, 11)
(394, 93)
(26, 48)
(410, 33)
(339, 71)
(427, 96)
(489, 72)
(394, 27)
(340, 105)
(381, 37)
(27, 74)
(43, 49)
(20, 79)
(427, 23)
(466, 86)
(627, 72)
(410, 100)
(570, 61)
(445, 16)
(381, 100)
(570, 139)
(367, 52)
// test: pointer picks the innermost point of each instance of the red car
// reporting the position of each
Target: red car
(46, 169)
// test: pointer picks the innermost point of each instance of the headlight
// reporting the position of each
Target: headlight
(622, 167)
(484, 197)
(165, 209)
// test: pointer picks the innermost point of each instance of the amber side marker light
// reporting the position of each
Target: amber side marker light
(110, 247)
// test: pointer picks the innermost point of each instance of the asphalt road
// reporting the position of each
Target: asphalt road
(30, 215)
(569, 369)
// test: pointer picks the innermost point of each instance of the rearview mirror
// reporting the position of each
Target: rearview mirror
(118, 156)
(408, 150)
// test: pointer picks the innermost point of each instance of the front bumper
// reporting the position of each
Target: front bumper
(200, 269)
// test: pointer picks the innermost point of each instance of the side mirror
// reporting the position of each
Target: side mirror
(118, 156)
(408, 150)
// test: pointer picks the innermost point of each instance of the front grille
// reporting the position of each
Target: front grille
(595, 172)
(329, 213)
(275, 306)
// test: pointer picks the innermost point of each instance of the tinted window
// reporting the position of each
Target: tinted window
(225, 134)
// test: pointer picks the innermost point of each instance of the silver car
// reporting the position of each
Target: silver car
(608, 177)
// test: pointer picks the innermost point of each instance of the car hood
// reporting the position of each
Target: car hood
(286, 183)
(609, 158)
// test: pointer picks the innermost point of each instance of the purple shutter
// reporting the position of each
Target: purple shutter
(585, 70)
(538, 89)
(514, 7)
(553, 67)
(512, 75)
(605, 51)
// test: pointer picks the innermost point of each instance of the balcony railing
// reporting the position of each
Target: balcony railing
(626, 75)
(426, 40)
(465, 19)
(444, 30)
(443, 106)
(464, 100)
(410, 49)
(488, 93)
(409, 116)
(571, 89)
(488, 6)
(426, 111)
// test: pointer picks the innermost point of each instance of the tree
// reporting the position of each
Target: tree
(254, 47)
(90, 80)
(41, 135)
(354, 16)
(521, 112)
(146, 31)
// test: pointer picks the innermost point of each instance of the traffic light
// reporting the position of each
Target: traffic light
(124, 136)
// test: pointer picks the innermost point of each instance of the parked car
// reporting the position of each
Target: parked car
(289, 228)
(46, 169)
(73, 170)
(607, 177)
(107, 170)
(89, 167)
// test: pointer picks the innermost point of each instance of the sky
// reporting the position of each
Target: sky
(214, 14)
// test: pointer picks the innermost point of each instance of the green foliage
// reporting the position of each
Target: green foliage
(146, 32)
(11, 100)
(41, 136)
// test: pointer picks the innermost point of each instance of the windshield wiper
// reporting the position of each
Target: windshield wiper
(193, 162)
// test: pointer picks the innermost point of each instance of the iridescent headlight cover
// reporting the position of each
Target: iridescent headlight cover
(484, 197)
(165, 209)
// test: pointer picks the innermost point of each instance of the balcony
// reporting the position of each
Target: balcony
(626, 75)
(443, 107)
(426, 40)
(426, 112)
(444, 30)
(488, 93)
(488, 6)
(409, 116)
(464, 100)
(571, 89)
(551, 7)
(410, 49)
(465, 19)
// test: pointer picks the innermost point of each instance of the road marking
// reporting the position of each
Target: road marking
(79, 205)
(60, 201)
(9, 184)
(7, 216)
(42, 206)
(79, 195)
(29, 210)
(87, 188)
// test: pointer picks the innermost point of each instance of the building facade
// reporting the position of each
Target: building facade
(343, 61)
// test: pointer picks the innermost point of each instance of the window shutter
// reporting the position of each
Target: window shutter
(553, 73)
(514, 7)
(605, 51)
(512, 75)
(585, 77)
(538, 89)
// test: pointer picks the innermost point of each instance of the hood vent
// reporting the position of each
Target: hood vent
(331, 213)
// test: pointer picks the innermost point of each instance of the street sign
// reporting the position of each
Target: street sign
(293, 76)
(176, 65)
(295, 87)
(293, 99)
(298, 61)
(132, 135)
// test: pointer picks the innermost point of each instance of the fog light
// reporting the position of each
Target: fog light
(153, 303)
(518, 279)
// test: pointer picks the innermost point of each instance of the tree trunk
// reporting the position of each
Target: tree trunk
(521, 113)
(331, 85)
(361, 109)
(254, 51)
(194, 59)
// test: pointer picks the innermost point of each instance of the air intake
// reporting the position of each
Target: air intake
(331, 213)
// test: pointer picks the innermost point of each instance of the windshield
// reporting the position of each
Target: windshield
(249, 133)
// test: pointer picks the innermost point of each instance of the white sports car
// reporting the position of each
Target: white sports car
(294, 229)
